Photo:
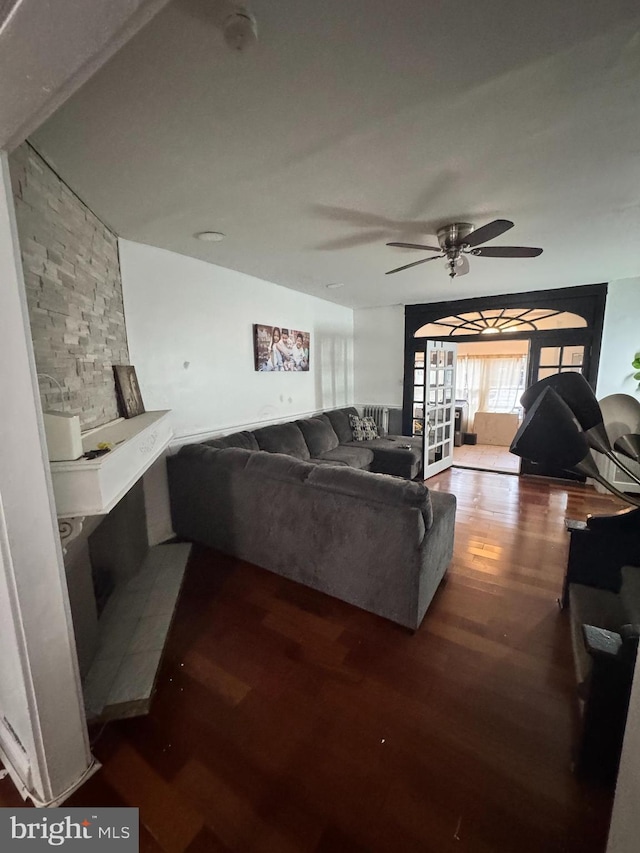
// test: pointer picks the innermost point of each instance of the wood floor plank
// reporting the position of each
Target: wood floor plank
(170, 819)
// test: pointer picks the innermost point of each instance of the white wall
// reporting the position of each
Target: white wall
(379, 355)
(620, 339)
(189, 325)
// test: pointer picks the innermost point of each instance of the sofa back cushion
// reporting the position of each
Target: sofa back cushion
(283, 438)
(233, 458)
(319, 435)
(340, 422)
(277, 466)
(380, 488)
(245, 440)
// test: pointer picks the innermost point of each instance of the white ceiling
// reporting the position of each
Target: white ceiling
(350, 124)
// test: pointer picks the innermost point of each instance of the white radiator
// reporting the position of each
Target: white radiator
(380, 414)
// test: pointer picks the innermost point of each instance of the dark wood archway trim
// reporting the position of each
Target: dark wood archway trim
(588, 301)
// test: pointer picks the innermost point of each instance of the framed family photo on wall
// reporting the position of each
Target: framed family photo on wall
(279, 348)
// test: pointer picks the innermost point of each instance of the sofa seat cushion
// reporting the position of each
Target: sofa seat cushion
(355, 457)
(245, 440)
(340, 422)
(283, 438)
(414, 440)
(328, 462)
(318, 434)
(381, 488)
(395, 454)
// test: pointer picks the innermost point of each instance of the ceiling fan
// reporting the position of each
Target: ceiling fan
(460, 239)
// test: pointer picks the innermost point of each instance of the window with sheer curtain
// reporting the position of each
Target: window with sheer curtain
(491, 383)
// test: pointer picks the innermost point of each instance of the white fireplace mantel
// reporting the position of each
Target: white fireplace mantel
(94, 486)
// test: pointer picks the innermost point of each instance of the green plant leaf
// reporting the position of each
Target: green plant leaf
(636, 375)
(636, 363)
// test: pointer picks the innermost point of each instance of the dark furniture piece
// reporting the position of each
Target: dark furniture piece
(460, 422)
(602, 593)
(562, 425)
(599, 548)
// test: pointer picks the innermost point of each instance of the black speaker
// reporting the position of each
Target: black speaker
(576, 392)
(549, 434)
(629, 445)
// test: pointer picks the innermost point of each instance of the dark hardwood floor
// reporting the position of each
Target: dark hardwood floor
(286, 721)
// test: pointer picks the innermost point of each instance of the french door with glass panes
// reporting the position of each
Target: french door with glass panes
(433, 408)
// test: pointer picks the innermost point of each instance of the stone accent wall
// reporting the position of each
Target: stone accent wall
(74, 291)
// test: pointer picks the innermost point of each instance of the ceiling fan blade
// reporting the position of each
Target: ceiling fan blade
(506, 252)
(414, 264)
(415, 246)
(488, 232)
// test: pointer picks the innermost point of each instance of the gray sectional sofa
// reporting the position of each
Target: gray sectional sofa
(328, 438)
(308, 502)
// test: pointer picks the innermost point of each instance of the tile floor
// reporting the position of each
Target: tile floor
(486, 457)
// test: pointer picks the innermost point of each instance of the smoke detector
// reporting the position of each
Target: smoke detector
(240, 29)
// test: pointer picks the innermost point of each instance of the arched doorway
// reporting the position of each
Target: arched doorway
(562, 328)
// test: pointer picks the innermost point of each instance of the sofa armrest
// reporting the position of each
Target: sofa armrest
(443, 504)
(606, 699)
(601, 644)
(436, 550)
(630, 633)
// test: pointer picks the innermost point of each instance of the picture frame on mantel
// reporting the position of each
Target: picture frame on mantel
(128, 391)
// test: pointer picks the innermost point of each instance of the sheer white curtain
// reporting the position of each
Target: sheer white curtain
(490, 383)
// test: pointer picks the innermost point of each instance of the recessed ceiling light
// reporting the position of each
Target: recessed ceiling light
(210, 236)
(335, 285)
